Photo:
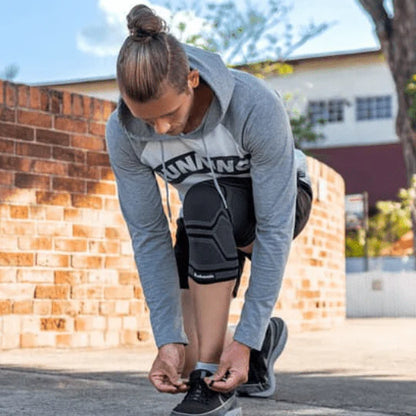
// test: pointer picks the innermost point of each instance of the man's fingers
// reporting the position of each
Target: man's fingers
(228, 384)
(164, 385)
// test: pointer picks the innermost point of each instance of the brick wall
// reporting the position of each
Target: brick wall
(67, 275)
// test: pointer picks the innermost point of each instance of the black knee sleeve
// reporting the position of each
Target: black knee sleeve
(212, 249)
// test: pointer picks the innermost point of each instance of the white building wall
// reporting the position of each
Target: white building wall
(381, 294)
(343, 79)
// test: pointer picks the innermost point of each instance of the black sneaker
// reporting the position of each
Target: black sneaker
(201, 400)
(261, 380)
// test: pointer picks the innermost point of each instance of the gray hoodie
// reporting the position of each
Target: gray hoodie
(245, 133)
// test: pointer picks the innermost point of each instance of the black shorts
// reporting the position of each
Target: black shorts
(238, 229)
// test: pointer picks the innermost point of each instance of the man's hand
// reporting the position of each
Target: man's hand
(234, 364)
(167, 368)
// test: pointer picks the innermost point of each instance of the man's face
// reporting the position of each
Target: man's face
(168, 114)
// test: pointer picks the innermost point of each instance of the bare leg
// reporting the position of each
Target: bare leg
(211, 305)
(191, 350)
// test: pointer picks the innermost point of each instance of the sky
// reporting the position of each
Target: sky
(55, 40)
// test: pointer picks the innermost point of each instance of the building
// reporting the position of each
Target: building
(355, 94)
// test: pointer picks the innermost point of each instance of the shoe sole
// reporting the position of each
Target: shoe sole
(223, 411)
(276, 324)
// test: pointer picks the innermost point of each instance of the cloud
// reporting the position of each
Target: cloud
(105, 37)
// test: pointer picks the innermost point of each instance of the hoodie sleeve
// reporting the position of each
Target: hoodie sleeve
(141, 206)
(268, 138)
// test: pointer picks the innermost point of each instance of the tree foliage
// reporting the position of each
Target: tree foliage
(395, 26)
(388, 225)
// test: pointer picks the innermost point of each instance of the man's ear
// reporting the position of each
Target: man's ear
(193, 78)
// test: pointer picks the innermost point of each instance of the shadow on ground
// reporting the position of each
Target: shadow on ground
(30, 391)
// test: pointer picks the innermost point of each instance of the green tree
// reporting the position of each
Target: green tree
(254, 39)
(388, 225)
(395, 26)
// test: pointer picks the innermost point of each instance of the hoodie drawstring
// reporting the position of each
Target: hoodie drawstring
(214, 177)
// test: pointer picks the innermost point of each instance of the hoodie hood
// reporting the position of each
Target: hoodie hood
(218, 77)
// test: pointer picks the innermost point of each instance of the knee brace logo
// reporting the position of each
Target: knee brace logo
(204, 276)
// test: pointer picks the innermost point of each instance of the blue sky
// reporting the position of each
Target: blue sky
(52, 40)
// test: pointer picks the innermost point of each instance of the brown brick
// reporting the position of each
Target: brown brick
(56, 104)
(97, 109)
(16, 259)
(45, 101)
(70, 244)
(96, 129)
(42, 307)
(52, 292)
(16, 163)
(88, 142)
(129, 337)
(53, 198)
(69, 185)
(34, 150)
(28, 340)
(118, 292)
(1, 91)
(19, 211)
(35, 98)
(54, 229)
(88, 231)
(83, 171)
(65, 307)
(87, 292)
(119, 262)
(71, 125)
(77, 105)
(54, 213)
(68, 155)
(108, 108)
(71, 277)
(34, 118)
(6, 146)
(6, 178)
(52, 137)
(111, 204)
(97, 159)
(17, 196)
(52, 260)
(107, 174)
(64, 340)
(86, 201)
(35, 243)
(9, 115)
(84, 323)
(23, 307)
(53, 168)
(52, 324)
(66, 103)
(30, 275)
(8, 275)
(87, 107)
(104, 247)
(101, 188)
(23, 96)
(128, 278)
(14, 131)
(89, 308)
(86, 262)
(11, 94)
(138, 292)
(26, 180)
(5, 307)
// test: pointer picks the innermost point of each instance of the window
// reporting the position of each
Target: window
(373, 108)
(331, 111)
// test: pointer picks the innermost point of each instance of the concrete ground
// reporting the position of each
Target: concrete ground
(364, 367)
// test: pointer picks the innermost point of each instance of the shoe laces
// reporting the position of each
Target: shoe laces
(198, 390)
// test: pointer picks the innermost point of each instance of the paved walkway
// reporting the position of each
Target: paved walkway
(362, 368)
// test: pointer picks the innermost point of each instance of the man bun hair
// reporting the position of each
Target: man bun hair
(142, 22)
(150, 57)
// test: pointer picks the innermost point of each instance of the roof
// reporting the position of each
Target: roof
(292, 61)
